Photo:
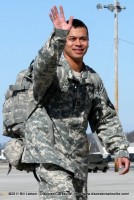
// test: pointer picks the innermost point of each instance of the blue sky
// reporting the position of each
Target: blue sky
(25, 26)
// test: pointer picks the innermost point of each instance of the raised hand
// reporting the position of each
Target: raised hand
(58, 19)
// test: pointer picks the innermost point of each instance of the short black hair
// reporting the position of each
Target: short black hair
(78, 23)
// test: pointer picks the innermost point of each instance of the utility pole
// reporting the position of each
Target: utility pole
(116, 8)
(116, 54)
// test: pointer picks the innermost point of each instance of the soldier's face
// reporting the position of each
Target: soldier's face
(76, 44)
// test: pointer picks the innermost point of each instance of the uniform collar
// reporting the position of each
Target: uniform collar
(85, 75)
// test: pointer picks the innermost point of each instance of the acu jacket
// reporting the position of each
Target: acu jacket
(71, 104)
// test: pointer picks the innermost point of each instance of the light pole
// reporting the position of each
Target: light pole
(116, 8)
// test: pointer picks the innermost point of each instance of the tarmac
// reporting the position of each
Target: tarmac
(103, 186)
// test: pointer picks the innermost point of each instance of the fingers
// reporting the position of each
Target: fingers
(70, 21)
(58, 19)
(62, 12)
(124, 171)
(55, 14)
(124, 165)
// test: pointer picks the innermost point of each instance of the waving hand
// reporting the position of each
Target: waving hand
(58, 19)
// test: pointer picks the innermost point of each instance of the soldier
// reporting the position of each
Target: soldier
(71, 95)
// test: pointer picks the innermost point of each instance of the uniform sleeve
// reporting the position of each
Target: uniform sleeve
(46, 62)
(105, 122)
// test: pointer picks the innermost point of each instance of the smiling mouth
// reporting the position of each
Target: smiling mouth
(78, 51)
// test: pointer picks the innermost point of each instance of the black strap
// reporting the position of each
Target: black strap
(35, 175)
(34, 172)
(9, 168)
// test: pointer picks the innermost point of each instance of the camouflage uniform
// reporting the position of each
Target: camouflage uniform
(71, 104)
(58, 183)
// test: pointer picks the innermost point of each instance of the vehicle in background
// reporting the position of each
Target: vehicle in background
(131, 151)
(98, 163)
(2, 158)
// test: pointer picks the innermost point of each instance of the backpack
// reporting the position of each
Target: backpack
(13, 152)
(19, 104)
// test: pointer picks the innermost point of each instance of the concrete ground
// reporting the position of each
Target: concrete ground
(110, 186)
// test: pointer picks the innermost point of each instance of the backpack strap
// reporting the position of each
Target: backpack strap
(18, 87)
(34, 172)
(35, 175)
(9, 168)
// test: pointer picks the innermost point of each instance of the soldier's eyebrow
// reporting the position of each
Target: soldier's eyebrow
(78, 36)
(81, 37)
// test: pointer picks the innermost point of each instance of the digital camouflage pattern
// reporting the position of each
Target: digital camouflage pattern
(13, 151)
(19, 104)
(71, 104)
(59, 184)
